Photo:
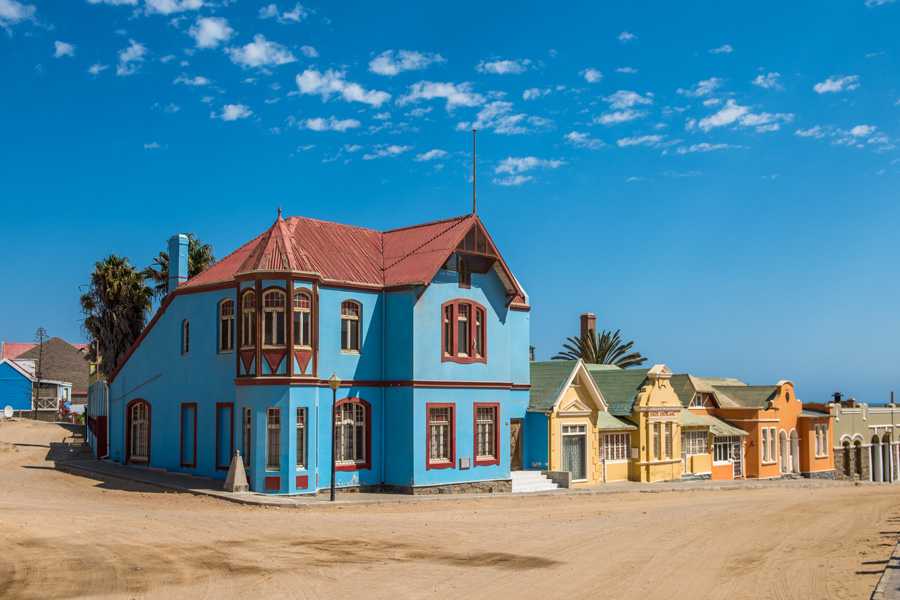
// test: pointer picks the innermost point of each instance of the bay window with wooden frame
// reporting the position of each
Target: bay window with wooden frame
(302, 319)
(274, 308)
(248, 319)
(463, 332)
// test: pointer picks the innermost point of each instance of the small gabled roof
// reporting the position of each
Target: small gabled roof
(608, 422)
(686, 386)
(717, 426)
(747, 396)
(619, 387)
(548, 378)
(18, 368)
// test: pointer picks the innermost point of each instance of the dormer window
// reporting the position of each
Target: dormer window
(226, 326)
(248, 319)
(302, 319)
(697, 400)
(273, 318)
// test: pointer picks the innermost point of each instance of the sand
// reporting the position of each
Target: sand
(69, 536)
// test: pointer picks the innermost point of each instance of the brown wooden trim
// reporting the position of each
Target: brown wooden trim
(520, 307)
(289, 324)
(310, 381)
(476, 462)
(452, 462)
(314, 334)
(454, 332)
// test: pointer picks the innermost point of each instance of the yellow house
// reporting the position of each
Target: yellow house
(582, 437)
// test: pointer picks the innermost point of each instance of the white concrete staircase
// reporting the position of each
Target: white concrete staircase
(531, 481)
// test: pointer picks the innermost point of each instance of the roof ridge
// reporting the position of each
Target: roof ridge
(414, 250)
(299, 218)
(429, 223)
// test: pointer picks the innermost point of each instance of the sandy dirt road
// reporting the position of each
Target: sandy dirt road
(68, 536)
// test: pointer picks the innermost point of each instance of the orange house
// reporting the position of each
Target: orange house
(784, 438)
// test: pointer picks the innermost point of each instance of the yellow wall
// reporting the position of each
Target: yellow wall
(656, 403)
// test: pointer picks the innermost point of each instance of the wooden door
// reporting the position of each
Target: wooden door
(515, 445)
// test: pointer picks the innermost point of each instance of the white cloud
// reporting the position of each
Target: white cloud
(419, 112)
(644, 140)
(627, 99)
(513, 165)
(152, 146)
(309, 51)
(167, 58)
(209, 32)
(768, 81)
(382, 116)
(232, 112)
(621, 116)
(591, 75)
(704, 147)
(114, 2)
(765, 121)
(332, 82)
(329, 124)
(816, 132)
(456, 95)
(62, 49)
(513, 180)
(583, 140)
(502, 67)
(295, 15)
(535, 93)
(499, 116)
(431, 155)
(862, 131)
(726, 49)
(703, 88)
(626, 70)
(712, 102)
(352, 147)
(167, 7)
(260, 53)
(384, 150)
(730, 113)
(96, 68)
(840, 84)
(871, 3)
(192, 81)
(626, 37)
(390, 63)
(130, 58)
(12, 12)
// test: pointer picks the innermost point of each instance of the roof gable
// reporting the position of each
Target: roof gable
(16, 368)
(619, 387)
(62, 362)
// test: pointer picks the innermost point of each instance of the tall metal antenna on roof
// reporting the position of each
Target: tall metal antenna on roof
(474, 203)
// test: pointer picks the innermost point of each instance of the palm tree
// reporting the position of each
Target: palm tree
(200, 258)
(116, 306)
(604, 349)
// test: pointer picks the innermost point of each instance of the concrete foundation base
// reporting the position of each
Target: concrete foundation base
(474, 487)
(820, 475)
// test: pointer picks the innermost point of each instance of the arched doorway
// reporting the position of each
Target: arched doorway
(857, 452)
(785, 452)
(848, 469)
(887, 460)
(875, 454)
(795, 452)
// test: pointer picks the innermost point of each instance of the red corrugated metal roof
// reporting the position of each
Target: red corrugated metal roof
(14, 349)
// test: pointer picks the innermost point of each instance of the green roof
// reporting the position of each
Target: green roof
(718, 427)
(607, 422)
(809, 412)
(684, 388)
(749, 396)
(619, 387)
(547, 380)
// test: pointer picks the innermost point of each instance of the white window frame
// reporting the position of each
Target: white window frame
(724, 443)
(694, 442)
(578, 430)
(140, 431)
(616, 447)
(697, 400)
(301, 439)
(485, 432)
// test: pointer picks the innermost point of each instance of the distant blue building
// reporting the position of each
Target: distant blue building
(16, 385)
(426, 326)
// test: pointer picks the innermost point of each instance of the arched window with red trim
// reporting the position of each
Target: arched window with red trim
(137, 433)
(463, 332)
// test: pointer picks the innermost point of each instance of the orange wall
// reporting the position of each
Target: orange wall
(723, 472)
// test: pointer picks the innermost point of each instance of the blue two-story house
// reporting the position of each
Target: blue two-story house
(426, 326)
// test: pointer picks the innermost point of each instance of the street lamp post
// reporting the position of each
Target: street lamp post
(334, 383)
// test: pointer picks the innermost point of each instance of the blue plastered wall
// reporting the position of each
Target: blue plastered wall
(15, 388)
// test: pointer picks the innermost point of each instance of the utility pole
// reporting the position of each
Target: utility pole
(39, 337)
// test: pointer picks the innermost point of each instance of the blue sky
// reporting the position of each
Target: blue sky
(718, 182)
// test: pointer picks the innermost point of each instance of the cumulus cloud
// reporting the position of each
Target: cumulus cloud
(503, 67)
(455, 94)
(703, 88)
(644, 140)
(712, 102)
(96, 68)
(862, 131)
(431, 155)
(130, 58)
(500, 117)
(583, 140)
(332, 82)
(816, 132)
(392, 63)
(619, 116)
(768, 81)
(13, 12)
(62, 49)
(384, 150)
(309, 51)
(513, 165)
(626, 37)
(626, 70)
(730, 113)
(232, 112)
(260, 53)
(295, 15)
(837, 84)
(627, 99)
(329, 124)
(167, 7)
(209, 32)
(591, 75)
(725, 49)
(192, 81)
(766, 121)
(704, 147)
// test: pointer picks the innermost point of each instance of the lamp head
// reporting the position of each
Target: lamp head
(335, 382)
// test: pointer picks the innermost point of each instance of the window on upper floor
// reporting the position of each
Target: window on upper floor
(302, 320)
(463, 332)
(226, 326)
(248, 319)
(185, 336)
(697, 400)
(350, 325)
(465, 276)
(273, 318)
